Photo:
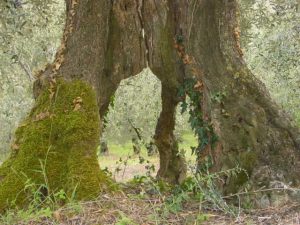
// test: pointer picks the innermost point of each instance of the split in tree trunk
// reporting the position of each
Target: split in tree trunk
(107, 41)
(173, 167)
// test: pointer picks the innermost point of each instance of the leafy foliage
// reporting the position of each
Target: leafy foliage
(30, 33)
(137, 104)
(270, 38)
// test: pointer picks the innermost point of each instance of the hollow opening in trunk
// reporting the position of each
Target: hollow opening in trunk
(132, 136)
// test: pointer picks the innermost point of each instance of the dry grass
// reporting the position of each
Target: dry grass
(126, 208)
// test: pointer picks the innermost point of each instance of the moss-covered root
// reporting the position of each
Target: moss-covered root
(56, 146)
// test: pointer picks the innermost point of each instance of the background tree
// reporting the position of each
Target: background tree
(30, 34)
(137, 100)
(270, 39)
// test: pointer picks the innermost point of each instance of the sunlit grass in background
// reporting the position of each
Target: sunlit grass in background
(133, 165)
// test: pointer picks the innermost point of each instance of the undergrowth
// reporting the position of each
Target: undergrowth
(42, 203)
(198, 190)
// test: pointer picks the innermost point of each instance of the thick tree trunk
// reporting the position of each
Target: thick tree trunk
(55, 147)
(103, 43)
(107, 41)
(253, 132)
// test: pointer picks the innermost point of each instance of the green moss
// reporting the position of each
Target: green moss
(248, 160)
(56, 146)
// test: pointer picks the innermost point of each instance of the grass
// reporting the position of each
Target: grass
(3, 157)
(121, 158)
(189, 140)
(123, 150)
(137, 204)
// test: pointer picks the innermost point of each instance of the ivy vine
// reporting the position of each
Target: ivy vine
(194, 89)
(201, 127)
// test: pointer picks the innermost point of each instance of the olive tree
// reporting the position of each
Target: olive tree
(192, 47)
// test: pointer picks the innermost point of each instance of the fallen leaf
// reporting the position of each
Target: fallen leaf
(41, 116)
(77, 103)
(57, 215)
(198, 85)
(15, 147)
(77, 107)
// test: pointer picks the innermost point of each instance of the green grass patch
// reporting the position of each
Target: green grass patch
(122, 156)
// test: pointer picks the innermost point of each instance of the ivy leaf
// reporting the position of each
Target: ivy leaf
(193, 150)
(184, 106)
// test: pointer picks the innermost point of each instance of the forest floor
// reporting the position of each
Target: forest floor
(129, 209)
(124, 164)
(139, 203)
(132, 210)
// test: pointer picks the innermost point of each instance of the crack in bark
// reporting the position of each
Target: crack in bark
(140, 7)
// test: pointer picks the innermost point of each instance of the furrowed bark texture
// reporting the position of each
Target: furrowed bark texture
(107, 41)
(253, 132)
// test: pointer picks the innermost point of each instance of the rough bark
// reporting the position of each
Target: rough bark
(253, 132)
(172, 164)
(103, 43)
(56, 146)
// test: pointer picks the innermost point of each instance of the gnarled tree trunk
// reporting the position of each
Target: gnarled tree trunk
(107, 41)
(55, 148)
(253, 132)
(173, 167)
